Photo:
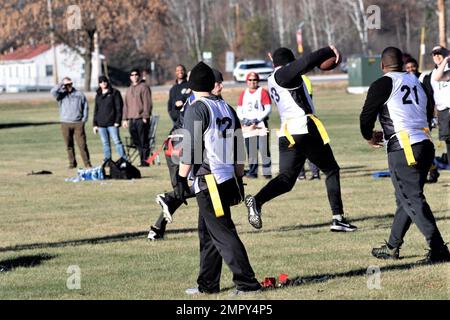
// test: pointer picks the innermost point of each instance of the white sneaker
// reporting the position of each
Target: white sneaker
(161, 200)
(154, 234)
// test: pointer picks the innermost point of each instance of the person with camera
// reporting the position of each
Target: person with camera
(73, 110)
(440, 83)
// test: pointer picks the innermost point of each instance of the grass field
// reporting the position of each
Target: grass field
(48, 224)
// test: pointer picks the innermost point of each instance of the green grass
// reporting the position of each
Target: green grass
(58, 224)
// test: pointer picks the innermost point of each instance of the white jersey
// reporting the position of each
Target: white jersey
(293, 117)
(441, 92)
(407, 106)
(219, 139)
(252, 107)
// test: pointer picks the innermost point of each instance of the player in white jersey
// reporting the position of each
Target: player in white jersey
(253, 109)
(168, 202)
(302, 135)
(405, 114)
(210, 141)
(440, 82)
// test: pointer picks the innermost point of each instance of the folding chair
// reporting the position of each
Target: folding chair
(131, 149)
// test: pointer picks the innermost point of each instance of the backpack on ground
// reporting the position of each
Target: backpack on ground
(121, 170)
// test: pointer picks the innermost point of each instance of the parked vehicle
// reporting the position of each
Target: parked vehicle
(261, 67)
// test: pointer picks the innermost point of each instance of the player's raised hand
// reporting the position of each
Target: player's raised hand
(337, 53)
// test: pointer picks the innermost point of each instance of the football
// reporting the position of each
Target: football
(328, 64)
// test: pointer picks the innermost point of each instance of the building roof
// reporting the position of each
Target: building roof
(25, 53)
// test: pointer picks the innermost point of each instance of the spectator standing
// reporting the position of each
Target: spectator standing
(73, 111)
(108, 117)
(253, 109)
(178, 94)
(137, 111)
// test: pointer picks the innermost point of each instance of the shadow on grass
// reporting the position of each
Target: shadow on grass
(25, 124)
(320, 278)
(25, 262)
(387, 216)
(121, 237)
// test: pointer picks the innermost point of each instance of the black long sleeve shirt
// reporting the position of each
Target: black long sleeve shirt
(179, 92)
(375, 106)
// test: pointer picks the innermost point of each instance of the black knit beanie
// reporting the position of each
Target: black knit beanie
(282, 56)
(201, 78)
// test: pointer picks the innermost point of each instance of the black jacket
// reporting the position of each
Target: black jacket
(108, 108)
(179, 91)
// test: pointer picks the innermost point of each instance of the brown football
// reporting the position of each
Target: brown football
(328, 64)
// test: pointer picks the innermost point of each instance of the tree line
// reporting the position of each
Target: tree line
(168, 32)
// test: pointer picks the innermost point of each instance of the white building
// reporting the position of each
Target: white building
(30, 68)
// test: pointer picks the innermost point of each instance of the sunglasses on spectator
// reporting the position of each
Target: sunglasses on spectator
(253, 80)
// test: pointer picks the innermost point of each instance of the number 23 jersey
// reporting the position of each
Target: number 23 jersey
(293, 104)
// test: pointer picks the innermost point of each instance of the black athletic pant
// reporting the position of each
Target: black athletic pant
(219, 240)
(139, 132)
(170, 199)
(412, 206)
(291, 162)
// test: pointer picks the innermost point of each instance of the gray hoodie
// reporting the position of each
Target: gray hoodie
(73, 106)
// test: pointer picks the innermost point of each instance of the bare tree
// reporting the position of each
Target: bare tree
(442, 23)
(356, 11)
(192, 16)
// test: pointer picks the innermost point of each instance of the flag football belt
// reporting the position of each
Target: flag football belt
(320, 127)
(403, 136)
(170, 149)
(214, 194)
(156, 154)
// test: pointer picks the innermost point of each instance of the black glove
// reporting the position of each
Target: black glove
(181, 189)
(255, 121)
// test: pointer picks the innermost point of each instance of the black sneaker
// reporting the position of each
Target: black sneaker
(433, 176)
(384, 252)
(436, 256)
(301, 177)
(254, 212)
(161, 200)
(155, 234)
(342, 226)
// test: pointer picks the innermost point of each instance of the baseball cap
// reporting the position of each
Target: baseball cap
(440, 50)
(252, 74)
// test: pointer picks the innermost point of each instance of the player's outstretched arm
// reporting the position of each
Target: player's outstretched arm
(441, 74)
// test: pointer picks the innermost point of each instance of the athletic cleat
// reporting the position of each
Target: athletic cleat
(384, 252)
(436, 256)
(161, 200)
(342, 226)
(155, 234)
(254, 213)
